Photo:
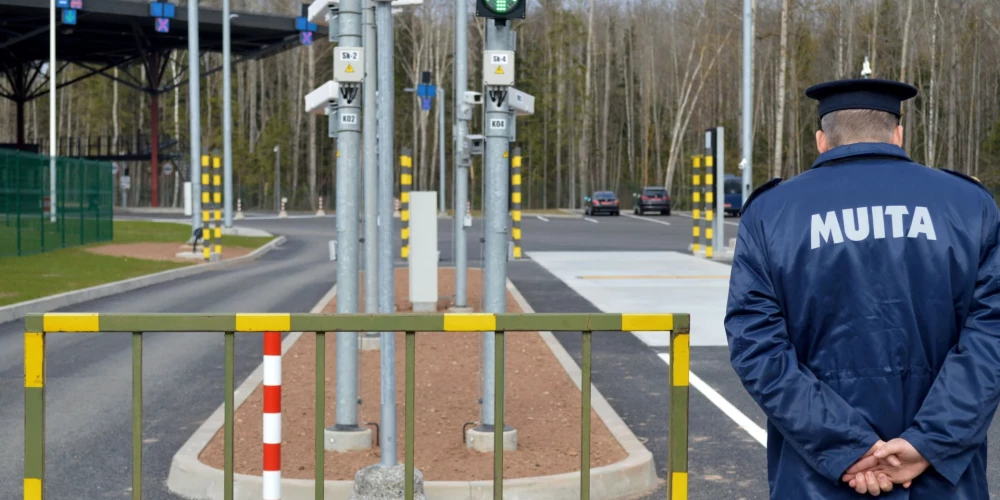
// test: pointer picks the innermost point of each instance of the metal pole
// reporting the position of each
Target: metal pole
(227, 118)
(194, 113)
(154, 129)
(348, 163)
(277, 178)
(386, 292)
(441, 172)
(495, 208)
(461, 172)
(747, 122)
(370, 166)
(52, 111)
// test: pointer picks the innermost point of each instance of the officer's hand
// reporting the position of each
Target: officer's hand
(899, 463)
(863, 479)
(910, 462)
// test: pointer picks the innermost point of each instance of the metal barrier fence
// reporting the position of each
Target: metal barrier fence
(38, 325)
(84, 203)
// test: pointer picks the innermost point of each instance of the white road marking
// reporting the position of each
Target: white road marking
(737, 224)
(543, 219)
(665, 223)
(588, 219)
(755, 431)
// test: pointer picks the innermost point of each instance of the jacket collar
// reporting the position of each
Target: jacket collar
(860, 150)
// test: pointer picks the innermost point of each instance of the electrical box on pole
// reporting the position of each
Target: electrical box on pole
(349, 64)
(498, 67)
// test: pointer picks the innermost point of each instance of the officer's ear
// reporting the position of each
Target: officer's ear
(897, 136)
(821, 143)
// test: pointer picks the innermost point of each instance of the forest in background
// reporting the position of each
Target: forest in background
(624, 91)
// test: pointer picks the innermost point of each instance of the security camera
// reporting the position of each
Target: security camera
(471, 97)
(476, 144)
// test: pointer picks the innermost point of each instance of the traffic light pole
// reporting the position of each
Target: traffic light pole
(498, 44)
(461, 169)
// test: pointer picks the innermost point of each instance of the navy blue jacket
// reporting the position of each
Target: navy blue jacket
(864, 303)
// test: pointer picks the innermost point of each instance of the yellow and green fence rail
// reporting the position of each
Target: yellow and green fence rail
(37, 326)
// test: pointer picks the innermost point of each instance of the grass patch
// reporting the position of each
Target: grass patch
(40, 275)
(34, 276)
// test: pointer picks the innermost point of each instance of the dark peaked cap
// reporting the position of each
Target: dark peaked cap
(862, 93)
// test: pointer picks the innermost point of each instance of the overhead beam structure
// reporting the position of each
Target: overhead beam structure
(122, 34)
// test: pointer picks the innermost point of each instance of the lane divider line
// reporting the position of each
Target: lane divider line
(636, 217)
(655, 277)
(737, 224)
(751, 427)
(588, 219)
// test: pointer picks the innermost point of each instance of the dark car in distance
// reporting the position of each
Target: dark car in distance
(601, 201)
(652, 199)
(733, 192)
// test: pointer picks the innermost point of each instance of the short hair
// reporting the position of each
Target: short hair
(850, 126)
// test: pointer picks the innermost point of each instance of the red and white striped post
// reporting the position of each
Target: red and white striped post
(272, 416)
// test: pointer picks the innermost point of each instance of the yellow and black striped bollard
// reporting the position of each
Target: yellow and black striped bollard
(217, 205)
(515, 198)
(206, 206)
(695, 204)
(405, 181)
(709, 201)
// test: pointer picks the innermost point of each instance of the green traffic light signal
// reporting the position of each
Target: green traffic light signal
(501, 9)
(500, 6)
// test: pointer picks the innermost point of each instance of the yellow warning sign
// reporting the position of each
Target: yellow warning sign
(350, 69)
(505, 154)
(338, 153)
(499, 70)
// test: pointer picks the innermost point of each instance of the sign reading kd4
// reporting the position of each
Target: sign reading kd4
(348, 64)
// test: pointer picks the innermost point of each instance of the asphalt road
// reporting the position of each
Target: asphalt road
(88, 425)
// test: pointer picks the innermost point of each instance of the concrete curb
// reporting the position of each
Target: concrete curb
(17, 311)
(191, 478)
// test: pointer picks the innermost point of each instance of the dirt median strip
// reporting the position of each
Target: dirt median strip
(161, 251)
(542, 403)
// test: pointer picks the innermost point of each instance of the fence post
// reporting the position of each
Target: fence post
(680, 362)
(405, 180)
(272, 416)
(34, 415)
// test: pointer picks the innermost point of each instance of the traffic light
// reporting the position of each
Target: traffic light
(501, 9)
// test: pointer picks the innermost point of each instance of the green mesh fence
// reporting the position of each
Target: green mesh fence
(84, 203)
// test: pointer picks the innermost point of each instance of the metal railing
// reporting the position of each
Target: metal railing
(38, 325)
(83, 203)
